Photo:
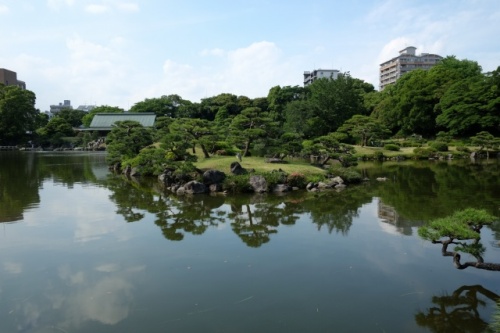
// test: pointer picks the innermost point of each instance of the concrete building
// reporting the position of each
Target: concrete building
(85, 107)
(9, 78)
(408, 60)
(310, 77)
(56, 108)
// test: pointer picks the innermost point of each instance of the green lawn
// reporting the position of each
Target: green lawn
(223, 163)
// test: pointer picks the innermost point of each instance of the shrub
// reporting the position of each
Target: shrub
(274, 178)
(423, 153)
(149, 161)
(378, 156)
(296, 179)
(462, 148)
(314, 178)
(237, 184)
(348, 175)
(391, 146)
(439, 146)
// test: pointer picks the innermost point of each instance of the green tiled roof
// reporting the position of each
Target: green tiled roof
(103, 121)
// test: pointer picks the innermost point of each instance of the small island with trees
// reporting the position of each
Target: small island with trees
(310, 135)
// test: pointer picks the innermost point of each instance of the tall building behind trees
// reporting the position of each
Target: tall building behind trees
(9, 78)
(406, 61)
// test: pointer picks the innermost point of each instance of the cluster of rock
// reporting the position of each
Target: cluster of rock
(331, 183)
(212, 180)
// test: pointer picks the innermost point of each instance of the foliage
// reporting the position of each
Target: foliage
(461, 225)
(237, 183)
(348, 175)
(18, 116)
(411, 104)
(149, 161)
(423, 153)
(164, 106)
(274, 178)
(251, 125)
(439, 145)
(471, 105)
(126, 140)
(328, 147)
(279, 98)
(334, 102)
(364, 128)
(485, 140)
(195, 132)
(73, 117)
(54, 131)
(391, 146)
(296, 179)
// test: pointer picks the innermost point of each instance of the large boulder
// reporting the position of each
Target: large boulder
(194, 187)
(237, 169)
(258, 183)
(213, 177)
(281, 188)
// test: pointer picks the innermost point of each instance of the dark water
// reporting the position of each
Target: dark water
(85, 251)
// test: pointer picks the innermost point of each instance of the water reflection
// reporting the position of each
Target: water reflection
(72, 298)
(458, 312)
(19, 185)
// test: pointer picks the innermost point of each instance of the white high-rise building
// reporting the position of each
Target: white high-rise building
(408, 60)
(310, 77)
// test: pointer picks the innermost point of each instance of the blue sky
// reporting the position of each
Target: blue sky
(113, 52)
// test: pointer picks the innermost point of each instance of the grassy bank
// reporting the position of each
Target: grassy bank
(223, 163)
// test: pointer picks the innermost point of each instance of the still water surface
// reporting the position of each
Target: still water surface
(82, 250)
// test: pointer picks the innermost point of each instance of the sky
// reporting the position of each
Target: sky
(118, 53)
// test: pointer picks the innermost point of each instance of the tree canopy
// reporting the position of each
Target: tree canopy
(18, 115)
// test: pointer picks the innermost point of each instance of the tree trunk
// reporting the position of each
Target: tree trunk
(204, 150)
(247, 148)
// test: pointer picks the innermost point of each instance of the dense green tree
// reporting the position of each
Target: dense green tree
(210, 106)
(125, 141)
(167, 106)
(18, 115)
(335, 101)
(87, 119)
(300, 118)
(471, 105)
(411, 105)
(328, 147)
(278, 98)
(196, 131)
(364, 128)
(54, 131)
(463, 228)
(485, 140)
(72, 116)
(250, 125)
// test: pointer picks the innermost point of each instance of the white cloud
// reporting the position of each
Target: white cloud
(128, 7)
(57, 4)
(13, 267)
(96, 9)
(4, 9)
(250, 71)
(213, 52)
(108, 268)
(108, 6)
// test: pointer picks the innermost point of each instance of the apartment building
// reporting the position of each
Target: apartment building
(310, 77)
(408, 60)
(9, 78)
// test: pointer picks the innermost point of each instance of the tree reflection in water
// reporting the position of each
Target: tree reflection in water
(458, 312)
(255, 218)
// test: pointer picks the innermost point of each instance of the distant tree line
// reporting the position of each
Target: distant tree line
(454, 99)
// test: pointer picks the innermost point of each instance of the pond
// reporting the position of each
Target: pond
(83, 250)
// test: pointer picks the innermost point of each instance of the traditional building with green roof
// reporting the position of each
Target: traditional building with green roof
(103, 122)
